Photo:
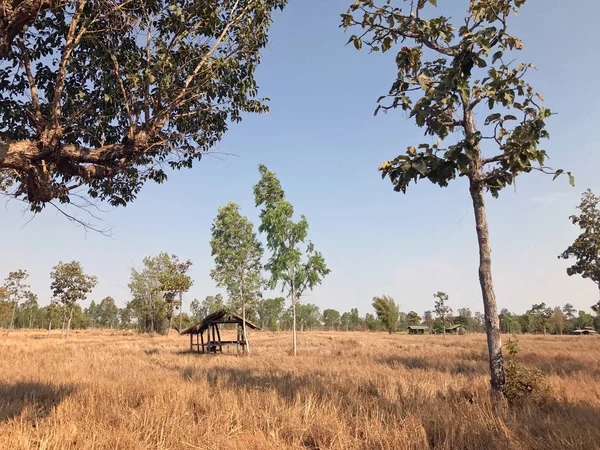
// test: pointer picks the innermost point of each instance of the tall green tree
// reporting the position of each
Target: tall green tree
(309, 316)
(331, 319)
(106, 97)
(269, 312)
(442, 310)
(237, 254)
(387, 312)
(174, 281)
(148, 305)
(107, 313)
(541, 315)
(293, 264)
(412, 318)
(17, 291)
(586, 247)
(449, 73)
(70, 285)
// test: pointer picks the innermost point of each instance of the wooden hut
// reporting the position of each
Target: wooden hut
(456, 329)
(418, 329)
(212, 342)
(584, 331)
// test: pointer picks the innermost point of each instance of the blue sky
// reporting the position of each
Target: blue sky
(323, 142)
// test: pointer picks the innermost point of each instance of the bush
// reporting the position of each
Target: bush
(521, 381)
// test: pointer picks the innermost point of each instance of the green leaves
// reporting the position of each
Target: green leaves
(443, 92)
(145, 88)
(237, 254)
(289, 265)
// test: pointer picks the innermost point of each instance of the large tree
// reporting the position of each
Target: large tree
(237, 254)
(448, 74)
(70, 285)
(387, 311)
(586, 247)
(294, 264)
(99, 97)
(17, 291)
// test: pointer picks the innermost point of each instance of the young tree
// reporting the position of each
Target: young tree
(53, 314)
(174, 282)
(372, 323)
(286, 240)
(105, 97)
(428, 319)
(586, 247)
(559, 320)
(541, 316)
(238, 255)
(269, 311)
(107, 313)
(309, 316)
(569, 311)
(70, 285)
(18, 291)
(29, 310)
(412, 318)
(387, 312)
(442, 310)
(447, 72)
(151, 305)
(331, 319)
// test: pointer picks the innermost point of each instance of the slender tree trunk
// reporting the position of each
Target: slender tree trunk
(64, 322)
(69, 323)
(492, 323)
(180, 311)
(171, 318)
(247, 346)
(12, 319)
(294, 337)
(49, 327)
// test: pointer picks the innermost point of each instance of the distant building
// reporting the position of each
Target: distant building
(456, 329)
(584, 331)
(418, 329)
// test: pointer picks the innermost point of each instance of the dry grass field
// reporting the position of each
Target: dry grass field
(119, 390)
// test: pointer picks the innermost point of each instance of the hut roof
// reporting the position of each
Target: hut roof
(458, 326)
(219, 317)
(418, 327)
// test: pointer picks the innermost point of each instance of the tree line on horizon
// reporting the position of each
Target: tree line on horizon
(271, 314)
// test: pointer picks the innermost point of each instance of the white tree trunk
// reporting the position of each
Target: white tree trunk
(12, 319)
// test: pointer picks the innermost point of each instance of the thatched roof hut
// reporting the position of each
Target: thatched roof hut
(210, 324)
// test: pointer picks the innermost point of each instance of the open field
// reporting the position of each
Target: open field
(109, 390)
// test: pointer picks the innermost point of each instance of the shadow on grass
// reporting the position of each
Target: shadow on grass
(453, 367)
(38, 398)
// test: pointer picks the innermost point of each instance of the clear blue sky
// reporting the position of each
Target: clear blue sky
(323, 142)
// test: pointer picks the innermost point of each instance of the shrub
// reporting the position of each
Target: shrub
(521, 381)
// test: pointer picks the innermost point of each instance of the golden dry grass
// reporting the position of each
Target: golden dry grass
(109, 390)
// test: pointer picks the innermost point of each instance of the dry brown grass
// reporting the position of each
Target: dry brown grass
(109, 390)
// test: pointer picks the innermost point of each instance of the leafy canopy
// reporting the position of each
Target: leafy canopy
(97, 98)
(237, 254)
(447, 72)
(70, 284)
(387, 312)
(586, 247)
